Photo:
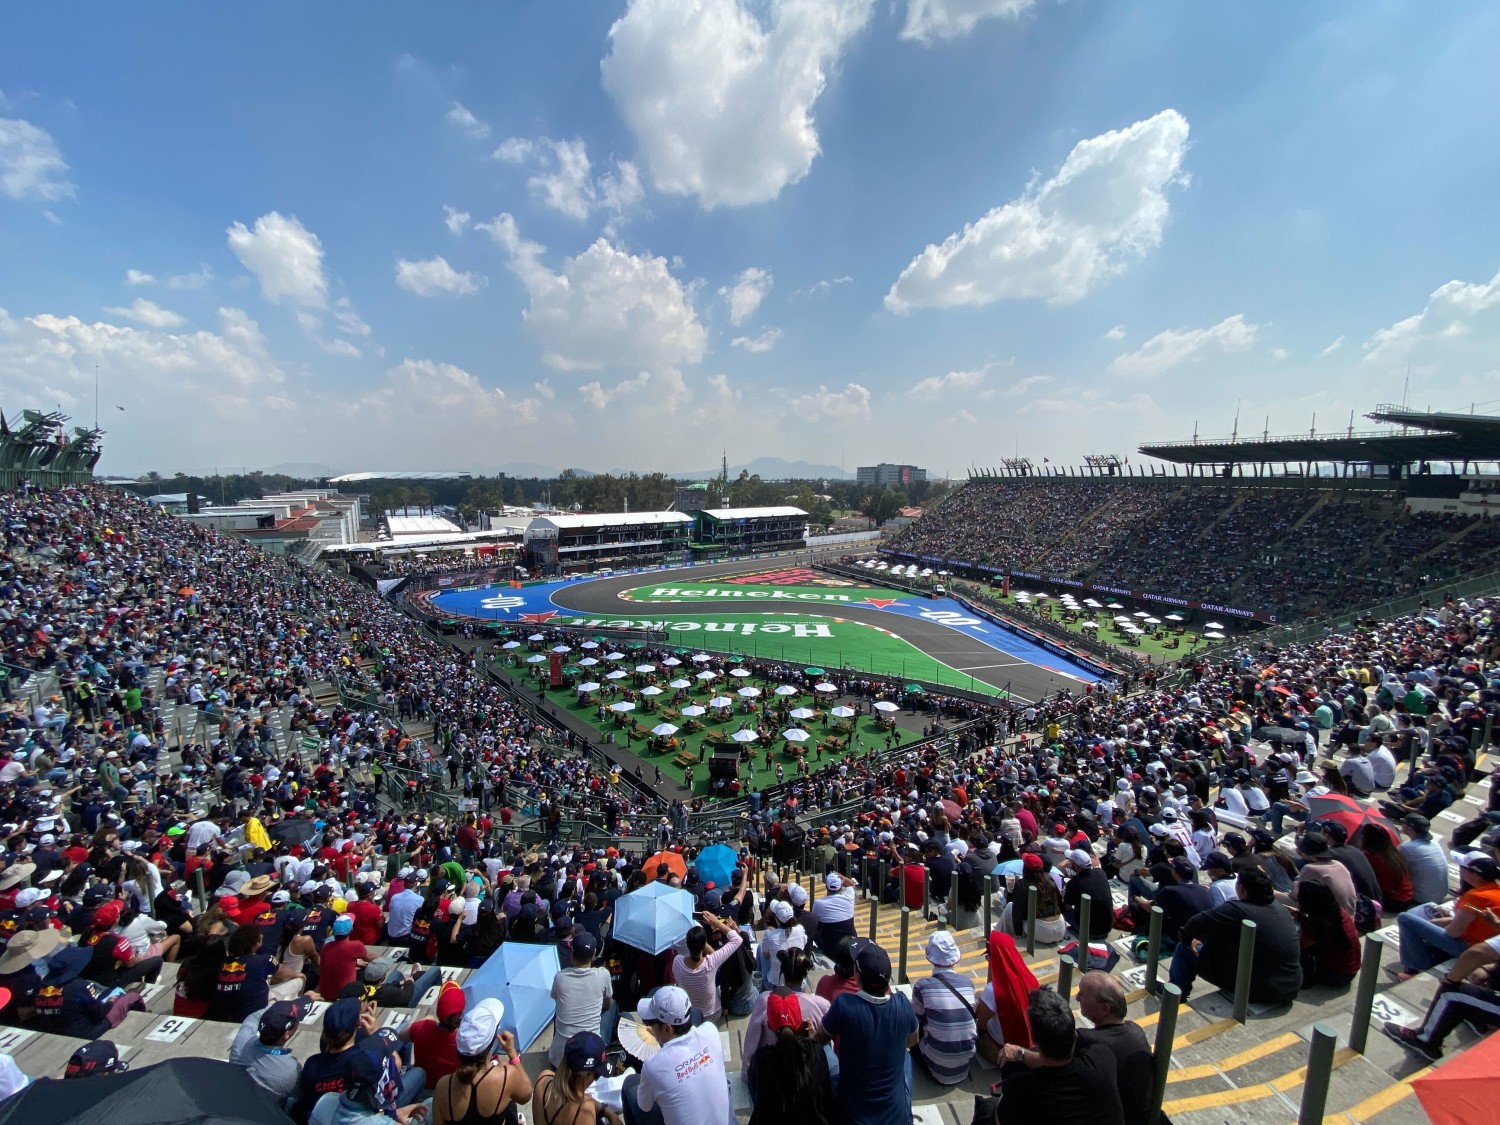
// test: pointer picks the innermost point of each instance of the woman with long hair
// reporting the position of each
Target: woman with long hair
(562, 1096)
(482, 1089)
(788, 1075)
(795, 966)
(1330, 943)
(1389, 864)
(1051, 927)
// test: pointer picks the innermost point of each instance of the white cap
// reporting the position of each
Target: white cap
(1080, 858)
(833, 882)
(480, 1025)
(942, 950)
(797, 894)
(781, 910)
(669, 1005)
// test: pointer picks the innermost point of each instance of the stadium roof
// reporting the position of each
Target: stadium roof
(1438, 437)
(611, 519)
(421, 525)
(752, 513)
(395, 474)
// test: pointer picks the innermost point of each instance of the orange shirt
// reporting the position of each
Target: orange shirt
(1486, 895)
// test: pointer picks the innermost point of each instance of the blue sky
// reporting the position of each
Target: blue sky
(627, 234)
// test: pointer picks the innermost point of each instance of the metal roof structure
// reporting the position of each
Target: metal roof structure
(1437, 437)
(751, 513)
(611, 519)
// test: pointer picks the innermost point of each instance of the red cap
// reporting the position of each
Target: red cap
(450, 1001)
(107, 915)
(783, 1011)
(1031, 862)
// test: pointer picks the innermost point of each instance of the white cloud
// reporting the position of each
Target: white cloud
(1106, 206)
(1175, 347)
(454, 219)
(341, 348)
(434, 277)
(1019, 389)
(31, 164)
(928, 21)
(563, 177)
(750, 288)
(645, 394)
(139, 277)
(148, 313)
(285, 257)
(349, 321)
(963, 417)
(454, 400)
(852, 404)
(720, 105)
(1453, 311)
(460, 115)
(1116, 333)
(190, 281)
(605, 308)
(823, 288)
(935, 386)
(1333, 347)
(1279, 354)
(755, 344)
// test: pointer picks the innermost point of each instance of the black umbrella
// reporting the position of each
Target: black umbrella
(186, 1091)
(293, 830)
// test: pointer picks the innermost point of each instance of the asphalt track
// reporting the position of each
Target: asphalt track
(969, 655)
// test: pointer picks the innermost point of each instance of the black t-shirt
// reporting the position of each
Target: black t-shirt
(317, 923)
(76, 1009)
(321, 1074)
(1179, 902)
(1134, 1069)
(1095, 884)
(243, 986)
(1083, 1092)
(940, 870)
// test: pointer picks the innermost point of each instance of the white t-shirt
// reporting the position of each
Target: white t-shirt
(686, 1078)
(773, 942)
(836, 907)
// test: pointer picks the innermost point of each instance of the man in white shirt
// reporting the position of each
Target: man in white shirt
(834, 912)
(202, 832)
(684, 1083)
(1383, 766)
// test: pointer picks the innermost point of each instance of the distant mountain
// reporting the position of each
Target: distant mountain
(527, 469)
(773, 468)
(306, 470)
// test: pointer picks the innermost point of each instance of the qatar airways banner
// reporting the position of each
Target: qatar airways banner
(1092, 587)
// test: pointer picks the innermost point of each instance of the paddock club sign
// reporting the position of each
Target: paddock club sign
(1079, 584)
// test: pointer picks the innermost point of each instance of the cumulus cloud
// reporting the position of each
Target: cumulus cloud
(929, 21)
(1175, 347)
(139, 277)
(444, 390)
(762, 343)
(285, 257)
(459, 114)
(750, 288)
(605, 308)
(563, 177)
(196, 280)
(31, 164)
(852, 404)
(434, 277)
(1116, 333)
(1333, 347)
(721, 104)
(662, 393)
(936, 386)
(824, 287)
(1453, 312)
(148, 313)
(1279, 354)
(454, 219)
(1105, 207)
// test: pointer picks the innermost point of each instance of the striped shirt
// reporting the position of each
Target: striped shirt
(949, 1037)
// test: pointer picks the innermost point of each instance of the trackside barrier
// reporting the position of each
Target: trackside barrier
(1153, 950)
(1364, 992)
(1319, 1071)
(1242, 971)
(1166, 1032)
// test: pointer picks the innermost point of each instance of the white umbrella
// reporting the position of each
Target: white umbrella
(587, 662)
(664, 730)
(707, 675)
(644, 668)
(927, 572)
(652, 690)
(694, 711)
(880, 566)
(1089, 625)
(1114, 605)
(744, 736)
(801, 712)
(590, 686)
(749, 692)
(721, 701)
(842, 712)
(1042, 594)
(796, 734)
(511, 644)
(1214, 636)
(1092, 603)
(679, 685)
(671, 662)
(1122, 619)
(1212, 625)
(786, 689)
(701, 658)
(1133, 629)
(617, 674)
(942, 574)
(590, 645)
(1174, 617)
(1140, 613)
(886, 705)
(561, 648)
(614, 656)
(536, 637)
(622, 706)
(537, 659)
(1153, 621)
(741, 673)
(825, 687)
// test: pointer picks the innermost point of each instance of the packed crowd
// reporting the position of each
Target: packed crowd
(1276, 550)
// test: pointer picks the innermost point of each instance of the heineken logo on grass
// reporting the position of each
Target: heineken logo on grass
(738, 628)
(697, 593)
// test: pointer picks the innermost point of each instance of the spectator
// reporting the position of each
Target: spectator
(1389, 864)
(434, 1040)
(584, 996)
(1432, 934)
(1329, 941)
(261, 1046)
(782, 932)
(341, 960)
(944, 1004)
(562, 1098)
(1210, 940)
(696, 972)
(795, 966)
(1062, 1080)
(1101, 1001)
(835, 912)
(788, 1076)
(1425, 860)
(481, 1088)
(683, 1083)
(1469, 991)
(1088, 879)
(875, 1028)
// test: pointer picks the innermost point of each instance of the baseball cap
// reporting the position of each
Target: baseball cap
(344, 924)
(29, 897)
(783, 1012)
(99, 1057)
(450, 1001)
(1183, 868)
(284, 1015)
(584, 1051)
(833, 882)
(1235, 840)
(1218, 860)
(782, 911)
(480, 1025)
(797, 894)
(1080, 858)
(1031, 862)
(281, 898)
(1262, 836)
(342, 1017)
(669, 1005)
(1313, 843)
(1417, 822)
(1481, 864)
(873, 965)
(584, 945)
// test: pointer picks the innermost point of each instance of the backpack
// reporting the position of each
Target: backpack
(970, 886)
(792, 834)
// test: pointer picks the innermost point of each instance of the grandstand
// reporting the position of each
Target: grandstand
(42, 452)
(566, 543)
(739, 531)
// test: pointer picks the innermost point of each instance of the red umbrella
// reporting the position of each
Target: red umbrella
(673, 860)
(1463, 1089)
(951, 810)
(1345, 810)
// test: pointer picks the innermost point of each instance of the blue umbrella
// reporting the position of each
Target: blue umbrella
(1009, 867)
(520, 977)
(653, 918)
(715, 863)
